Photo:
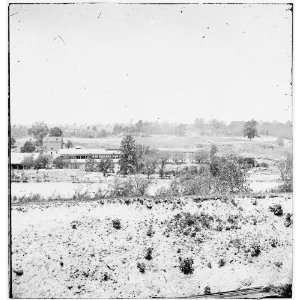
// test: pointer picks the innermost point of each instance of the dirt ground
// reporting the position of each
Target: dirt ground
(101, 249)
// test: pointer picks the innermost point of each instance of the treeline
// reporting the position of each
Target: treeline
(146, 128)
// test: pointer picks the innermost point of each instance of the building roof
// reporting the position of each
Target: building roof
(73, 151)
(17, 158)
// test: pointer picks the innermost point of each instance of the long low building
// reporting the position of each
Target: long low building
(81, 154)
(76, 158)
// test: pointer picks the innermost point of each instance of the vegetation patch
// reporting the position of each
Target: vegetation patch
(186, 266)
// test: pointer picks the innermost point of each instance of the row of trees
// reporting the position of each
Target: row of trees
(40, 130)
(41, 162)
(137, 158)
(140, 128)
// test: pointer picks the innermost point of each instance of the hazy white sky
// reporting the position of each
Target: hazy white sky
(99, 63)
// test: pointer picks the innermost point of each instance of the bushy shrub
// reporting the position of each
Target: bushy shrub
(121, 187)
(186, 266)
(148, 254)
(286, 291)
(139, 185)
(135, 185)
(197, 185)
(59, 163)
(288, 220)
(28, 147)
(221, 262)
(228, 174)
(90, 165)
(141, 267)
(41, 162)
(255, 250)
(28, 198)
(247, 162)
(276, 209)
(286, 172)
(116, 224)
(224, 175)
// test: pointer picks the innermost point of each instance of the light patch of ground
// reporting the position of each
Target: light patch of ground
(72, 249)
(263, 180)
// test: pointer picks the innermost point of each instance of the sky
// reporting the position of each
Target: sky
(113, 63)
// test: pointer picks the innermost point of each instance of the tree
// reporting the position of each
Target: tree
(28, 147)
(217, 127)
(105, 165)
(213, 151)
(90, 165)
(250, 129)
(150, 164)
(39, 131)
(59, 162)
(286, 171)
(141, 152)
(139, 185)
(69, 144)
(230, 176)
(128, 159)
(162, 161)
(55, 131)
(41, 162)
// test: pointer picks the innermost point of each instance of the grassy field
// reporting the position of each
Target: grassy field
(261, 147)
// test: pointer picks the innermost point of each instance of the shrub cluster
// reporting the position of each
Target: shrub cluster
(41, 162)
(286, 171)
(224, 175)
(135, 185)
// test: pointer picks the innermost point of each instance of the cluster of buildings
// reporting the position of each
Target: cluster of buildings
(76, 157)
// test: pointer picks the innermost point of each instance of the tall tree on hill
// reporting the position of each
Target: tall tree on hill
(128, 159)
(55, 131)
(250, 129)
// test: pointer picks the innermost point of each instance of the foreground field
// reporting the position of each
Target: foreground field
(158, 248)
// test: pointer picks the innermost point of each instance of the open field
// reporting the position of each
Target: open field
(260, 147)
(74, 249)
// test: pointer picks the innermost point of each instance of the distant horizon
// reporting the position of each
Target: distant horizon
(155, 121)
